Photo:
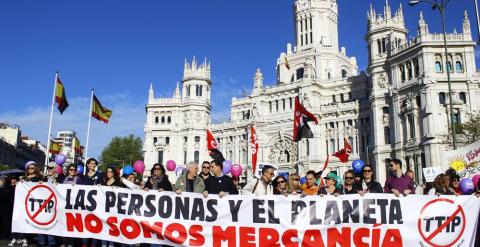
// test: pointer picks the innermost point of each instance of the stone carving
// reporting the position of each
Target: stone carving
(278, 152)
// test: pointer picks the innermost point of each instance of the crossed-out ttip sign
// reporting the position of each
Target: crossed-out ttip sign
(41, 205)
(441, 222)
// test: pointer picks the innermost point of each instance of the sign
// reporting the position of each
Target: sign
(258, 172)
(137, 216)
(430, 173)
(466, 160)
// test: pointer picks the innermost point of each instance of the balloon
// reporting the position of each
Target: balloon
(171, 165)
(127, 170)
(357, 166)
(179, 170)
(466, 186)
(59, 169)
(236, 170)
(227, 166)
(79, 169)
(139, 166)
(60, 159)
(303, 180)
(475, 180)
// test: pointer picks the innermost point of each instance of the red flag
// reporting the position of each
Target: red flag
(211, 142)
(326, 162)
(345, 152)
(254, 143)
(300, 118)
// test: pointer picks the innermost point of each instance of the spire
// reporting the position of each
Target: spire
(466, 23)
(151, 95)
(176, 94)
(422, 26)
(387, 12)
(258, 82)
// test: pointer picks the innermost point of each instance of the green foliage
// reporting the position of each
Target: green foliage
(122, 150)
(470, 130)
(4, 167)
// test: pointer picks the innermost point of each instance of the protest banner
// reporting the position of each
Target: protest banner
(430, 173)
(130, 216)
(466, 160)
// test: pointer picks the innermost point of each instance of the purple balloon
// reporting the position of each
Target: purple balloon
(79, 169)
(466, 186)
(171, 165)
(60, 159)
(227, 166)
(179, 171)
(139, 166)
(236, 170)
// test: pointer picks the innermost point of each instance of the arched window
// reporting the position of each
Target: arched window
(270, 104)
(438, 67)
(441, 98)
(329, 75)
(449, 66)
(386, 110)
(163, 120)
(463, 97)
(287, 154)
(155, 140)
(344, 73)
(197, 139)
(169, 119)
(402, 72)
(300, 73)
(283, 101)
(156, 120)
(458, 66)
(196, 156)
(409, 71)
(276, 105)
(291, 103)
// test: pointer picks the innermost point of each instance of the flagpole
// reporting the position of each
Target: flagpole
(50, 123)
(88, 131)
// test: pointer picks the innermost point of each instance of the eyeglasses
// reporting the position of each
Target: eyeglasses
(296, 179)
(281, 182)
(71, 170)
(31, 168)
(157, 169)
(50, 168)
(364, 171)
(348, 178)
(455, 180)
(206, 167)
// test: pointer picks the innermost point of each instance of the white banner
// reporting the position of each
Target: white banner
(129, 216)
(466, 160)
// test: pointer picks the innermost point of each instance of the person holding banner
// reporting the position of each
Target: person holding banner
(52, 176)
(309, 187)
(111, 177)
(261, 186)
(92, 176)
(294, 184)
(72, 176)
(349, 184)
(280, 186)
(397, 182)
(219, 183)
(158, 180)
(32, 173)
(189, 181)
(205, 173)
(367, 183)
(454, 184)
(332, 187)
(440, 186)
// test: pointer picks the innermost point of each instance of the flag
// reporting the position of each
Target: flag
(300, 118)
(326, 162)
(345, 152)
(55, 147)
(286, 63)
(212, 147)
(60, 96)
(254, 143)
(99, 112)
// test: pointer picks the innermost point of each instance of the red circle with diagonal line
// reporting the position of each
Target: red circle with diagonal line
(45, 202)
(441, 203)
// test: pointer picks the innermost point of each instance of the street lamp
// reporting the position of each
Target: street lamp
(440, 5)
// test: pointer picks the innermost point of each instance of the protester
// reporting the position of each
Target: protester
(111, 177)
(219, 183)
(32, 173)
(367, 183)
(72, 177)
(263, 185)
(397, 182)
(16, 238)
(309, 187)
(158, 179)
(130, 182)
(52, 176)
(205, 173)
(294, 184)
(349, 183)
(440, 186)
(454, 184)
(92, 176)
(189, 181)
(280, 186)
(332, 185)
(5, 217)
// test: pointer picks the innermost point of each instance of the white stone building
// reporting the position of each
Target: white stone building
(349, 104)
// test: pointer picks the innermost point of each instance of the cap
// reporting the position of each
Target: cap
(51, 164)
(29, 163)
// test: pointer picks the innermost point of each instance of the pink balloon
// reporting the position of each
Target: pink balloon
(139, 166)
(171, 165)
(236, 170)
(59, 169)
(476, 179)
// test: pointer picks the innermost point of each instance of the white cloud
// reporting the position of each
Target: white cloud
(127, 118)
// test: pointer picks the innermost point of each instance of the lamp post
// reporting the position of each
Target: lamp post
(478, 21)
(440, 5)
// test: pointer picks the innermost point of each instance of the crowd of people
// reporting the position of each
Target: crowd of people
(209, 179)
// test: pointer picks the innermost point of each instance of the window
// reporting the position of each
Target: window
(384, 45)
(342, 99)
(332, 125)
(386, 110)
(300, 73)
(287, 154)
(196, 156)
(379, 45)
(185, 139)
(197, 139)
(155, 140)
(438, 67)
(198, 90)
(344, 73)
(386, 133)
(458, 67)
(411, 124)
(350, 97)
(188, 91)
(334, 99)
(463, 97)
(167, 140)
(276, 105)
(418, 101)
(332, 147)
(283, 101)
(163, 120)
(156, 120)
(291, 103)
(350, 141)
(160, 157)
(449, 66)
(416, 67)
(456, 117)
(270, 103)
(350, 122)
(409, 71)
(307, 143)
(184, 157)
(402, 72)
(441, 98)
(329, 75)
(169, 119)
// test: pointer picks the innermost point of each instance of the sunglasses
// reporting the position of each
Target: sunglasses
(281, 182)
(50, 168)
(31, 168)
(367, 171)
(156, 169)
(348, 178)
(71, 170)
(206, 167)
(296, 179)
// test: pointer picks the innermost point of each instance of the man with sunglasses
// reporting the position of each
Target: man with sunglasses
(205, 173)
(349, 179)
(52, 176)
(261, 186)
(397, 182)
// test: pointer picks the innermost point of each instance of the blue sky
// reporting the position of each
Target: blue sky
(119, 47)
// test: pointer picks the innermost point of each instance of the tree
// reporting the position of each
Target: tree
(470, 130)
(122, 150)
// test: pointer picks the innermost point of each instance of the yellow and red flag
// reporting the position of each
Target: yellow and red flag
(99, 112)
(60, 96)
(55, 147)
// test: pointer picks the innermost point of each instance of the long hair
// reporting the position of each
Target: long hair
(292, 186)
(36, 171)
(371, 168)
(116, 175)
(162, 169)
(275, 182)
(88, 161)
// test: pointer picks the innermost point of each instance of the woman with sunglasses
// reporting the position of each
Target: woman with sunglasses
(294, 184)
(72, 178)
(32, 173)
(367, 183)
(280, 186)
(349, 183)
(332, 186)
(158, 179)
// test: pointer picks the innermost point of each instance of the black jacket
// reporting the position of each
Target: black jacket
(372, 187)
(159, 183)
(213, 185)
